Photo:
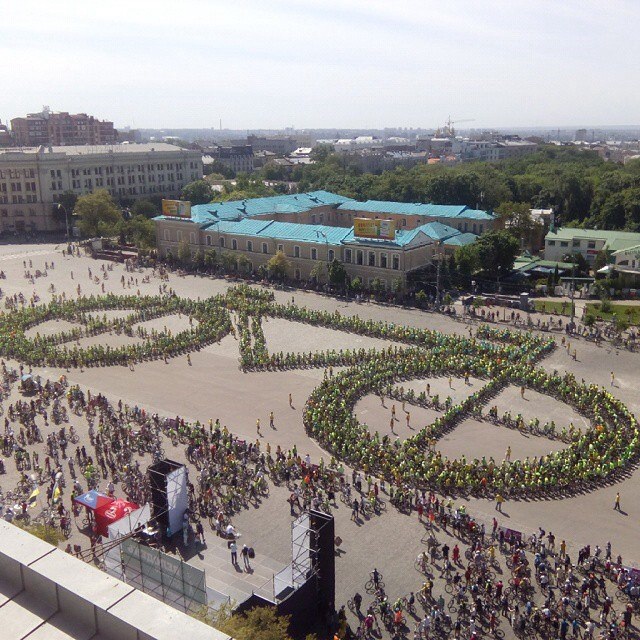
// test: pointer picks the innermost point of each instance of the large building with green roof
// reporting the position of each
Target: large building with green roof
(588, 242)
(319, 227)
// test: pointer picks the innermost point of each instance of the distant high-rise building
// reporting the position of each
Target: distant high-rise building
(61, 129)
(581, 135)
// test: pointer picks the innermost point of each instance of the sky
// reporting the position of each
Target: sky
(324, 63)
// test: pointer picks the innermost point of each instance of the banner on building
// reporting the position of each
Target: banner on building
(180, 208)
(378, 229)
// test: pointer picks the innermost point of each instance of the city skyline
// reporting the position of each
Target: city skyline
(325, 64)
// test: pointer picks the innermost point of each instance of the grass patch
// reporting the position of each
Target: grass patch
(562, 307)
(627, 312)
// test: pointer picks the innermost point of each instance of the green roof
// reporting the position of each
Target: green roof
(613, 240)
(417, 209)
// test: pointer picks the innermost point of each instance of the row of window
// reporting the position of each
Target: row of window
(373, 259)
(4, 199)
(15, 174)
(5, 213)
(575, 244)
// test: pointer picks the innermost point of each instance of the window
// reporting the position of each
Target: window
(474, 227)
(396, 262)
(313, 218)
(404, 222)
(179, 236)
(551, 243)
(167, 234)
(383, 260)
(331, 256)
(592, 244)
(265, 248)
(192, 238)
(296, 252)
(234, 244)
(281, 248)
(314, 254)
(208, 241)
(249, 245)
(564, 244)
(480, 228)
(575, 243)
(372, 259)
(359, 257)
(347, 256)
(222, 241)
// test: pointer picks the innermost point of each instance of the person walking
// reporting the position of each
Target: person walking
(613, 379)
(233, 547)
(271, 420)
(200, 531)
(616, 506)
(245, 557)
(499, 501)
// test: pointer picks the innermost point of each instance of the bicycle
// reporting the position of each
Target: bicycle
(371, 587)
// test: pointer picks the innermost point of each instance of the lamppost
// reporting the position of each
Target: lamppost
(66, 218)
(326, 240)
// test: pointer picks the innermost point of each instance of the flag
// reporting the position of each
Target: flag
(56, 493)
(34, 494)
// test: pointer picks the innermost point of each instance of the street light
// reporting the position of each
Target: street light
(66, 218)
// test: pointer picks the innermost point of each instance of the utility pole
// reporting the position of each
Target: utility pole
(573, 285)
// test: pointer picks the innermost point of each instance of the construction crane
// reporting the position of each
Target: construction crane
(448, 129)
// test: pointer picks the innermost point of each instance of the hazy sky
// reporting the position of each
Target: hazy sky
(324, 63)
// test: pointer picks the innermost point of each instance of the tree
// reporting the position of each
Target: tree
(68, 201)
(243, 263)
(198, 259)
(317, 272)
(210, 258)
(377, 287)
(144, 207)
(139, 230)
(278, 266)
(601, 260)
(337, 273)
(580, 262)
(356, 284)
(197, 192)
(421, 298)
(228, 261)
(496, 252)
(466, 260)
(517, 220)
(259, 623)
(97, 214)
(184, 253)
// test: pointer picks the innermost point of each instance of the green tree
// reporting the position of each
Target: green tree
(184, 253)
(243, 263)
(259, 623)
(356, 284)
(144, 207)
(68, 201)
(516, 219)
(97, 214)
(318, 271)
(197, 192)
(210, 258)
(198, 259)
(421, 298)
(601, 260)
(278, 266)
(466, 260)
(139, 230)
(337, 273)
(496, 251)
(228, 261)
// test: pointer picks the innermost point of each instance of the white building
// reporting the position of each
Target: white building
(33, 179)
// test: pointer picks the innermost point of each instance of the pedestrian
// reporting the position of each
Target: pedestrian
(271, 420)
(258, 427)
(613, 379)
(522, 392)
(245, 557)
(355, 507)
(499, 501)
(616, 506)
(200, 531)
(290, 401)
(233, 547)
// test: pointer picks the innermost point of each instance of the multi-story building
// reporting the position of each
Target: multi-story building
(310, 228)
(33, 179)
(587, 242)
(6, 139)
(239, 158)
(61, 128)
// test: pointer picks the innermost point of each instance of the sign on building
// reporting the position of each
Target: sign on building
(378, 229)
(180, 208)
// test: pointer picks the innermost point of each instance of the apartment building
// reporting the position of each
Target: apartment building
(305, 227)
(61, 128)
(33, 179)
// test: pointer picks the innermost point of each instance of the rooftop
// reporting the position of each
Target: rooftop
(417, 209)
(79, 150)
(613, 240)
